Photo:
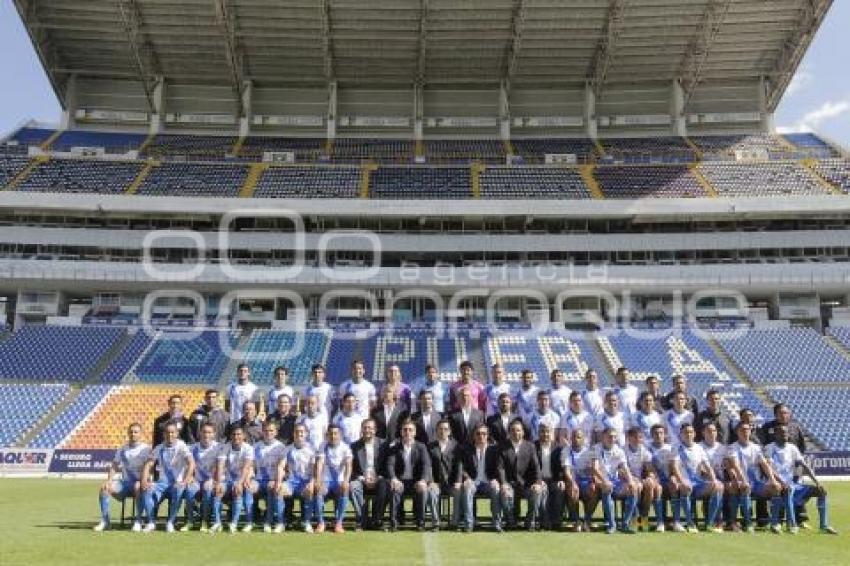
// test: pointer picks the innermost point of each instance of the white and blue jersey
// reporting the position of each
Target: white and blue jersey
(550, 418)
(439, 393)
(273, 394)
(131, 459)
(717, 455)
(582, 421)
(593, 402)
(637, 459)
(235, 459)
(610, 460)
(749, 458)
(238, 395)
(526, 401)
(580, 462)
(492, 392)
(364, 392)
(663, 457)
(325, 393)
(560, 397)
(334, 459)
(628, 397)
(616, 421)
(317, 427)
(300, 463)
(692, 459)
(674, 422)
(205, 460)
(784, 460)
(266, 459)
(645, 422)
(349, 426)
(172, 461)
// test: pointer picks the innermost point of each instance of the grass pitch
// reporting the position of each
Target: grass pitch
(49, 522)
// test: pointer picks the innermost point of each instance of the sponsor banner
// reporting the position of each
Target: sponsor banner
(24, 460)
(829, 463)
(80, 461)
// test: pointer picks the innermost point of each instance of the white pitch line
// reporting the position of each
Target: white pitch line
(432, 551)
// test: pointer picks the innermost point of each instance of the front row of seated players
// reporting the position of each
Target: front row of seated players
(642, 474)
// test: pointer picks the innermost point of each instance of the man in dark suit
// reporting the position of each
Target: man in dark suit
(283, 418)
(409, 472)
(680, 384)
(249, 423)
(551, 510)
(209, 413)
(520, 476)
(466, 419)
(426, 419)
(480, 475)
(175, 416)
(445, 464)
(368, 455)
(499, 423)
(388, 416)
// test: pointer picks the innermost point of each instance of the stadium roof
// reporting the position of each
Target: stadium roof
(395, 43)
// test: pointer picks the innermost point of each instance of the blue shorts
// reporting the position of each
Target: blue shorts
(332, 486)
(584, 483)
(759, 488)
(123, 488)
(619, 487)
(296, 486)
(699, 487)
(161, 490)
(803, 492)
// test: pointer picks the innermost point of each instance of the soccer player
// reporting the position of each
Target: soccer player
(699, 481)
(676, 417)
(439, 392)
(269, 454)
(234, 471)
(368, 461)
(551, 510)
(639, 459)
(333, 474)
(365, 394)
(718, 455)
(393, 381)
(525, 398)
(592, 396)
(129, 461)
(611, 418)
(300, 469)
(239, 392)
(576, 418)
(446, 463)
(752, 471)
(280, 388)
(646, 416)
(614, 480)
(467, 379)
(559, 393)
(209, 412)
(577, 465)
(626, 392)
(664, 462)
(409, 472)
(174, 416)
(176, 466)
(494, 389)
(348, 419)
(323, 391)
(480, 475)
(314, 421)
(520, 476)
(543, 415)
(714, 414)
(205, 454)
(784, 457)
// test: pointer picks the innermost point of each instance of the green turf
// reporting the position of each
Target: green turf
(49, 521)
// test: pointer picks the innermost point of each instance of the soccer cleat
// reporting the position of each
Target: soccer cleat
(100, 527)
(186, 528)
(828, 530)
(677, 527)
(204, 528)
(308, 528)
(248, 528)
(610, 530)
(750, 529)
(149, 528)
(215, 528)
(692, 529)
(775, 529)
(279, 528)
(659, 528)
(793, 530)
(232, 528)
(267, 528)
(137, 527)
(169, 527)
(338, 529)
(320, 527)
(716, 530)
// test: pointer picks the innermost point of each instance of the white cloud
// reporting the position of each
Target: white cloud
(800, 81)
(828, 110)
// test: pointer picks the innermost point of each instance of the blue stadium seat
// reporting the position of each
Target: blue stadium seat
(70, 418)
(193, 356)
(22, 406)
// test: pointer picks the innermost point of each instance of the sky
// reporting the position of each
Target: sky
(818, 98)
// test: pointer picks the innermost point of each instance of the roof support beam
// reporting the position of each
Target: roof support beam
(422, 51)
(607, 46)
(327, 43)
(147, 68)
(235, 61)
(515, 45)
(44, 46)
(690, 69)
(812, 14)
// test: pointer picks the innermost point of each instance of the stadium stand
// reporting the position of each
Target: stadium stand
(465, 151)
(533, 182)
(23, 405)
(822, 411)
(342, 349)
(309, 182)
(305, 149)
(761, 180)
(106, 426)
(421, 183)
(190, 147)
(26, 137)
(10, 166)
(81, 176)
(347, 150)
(72, 416)
(111, 142)
(267, 349)
(127, 358)
(194, 180)
(55, 353)
(195, 356)
(811, 145)
(535, 150)
(836, 172)
(634, 181)
(725, 148)
(647, 150)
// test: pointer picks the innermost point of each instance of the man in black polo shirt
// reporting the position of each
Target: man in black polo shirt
(713, 413)
(249, 423)
(174, 415)
(680, 384)
(283, 418)
(210, 413)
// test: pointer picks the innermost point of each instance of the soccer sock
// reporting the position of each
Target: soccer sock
(319, 502)
(307, 509)
(342, 503)
(631, 504)
(588, 515)
(775, 504)
(608, 508)
(822, 512)
(206, 500)
(685, 501)
(714, 505)
(677, 509)
(236, 512)
(217, 510)
(790, 512)
(176, 497)
(747, 508)
(271, 507)
(280, 502)
(148, 499)
(140, 508)
(104, 507)
(249, 506)
(658, 503)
